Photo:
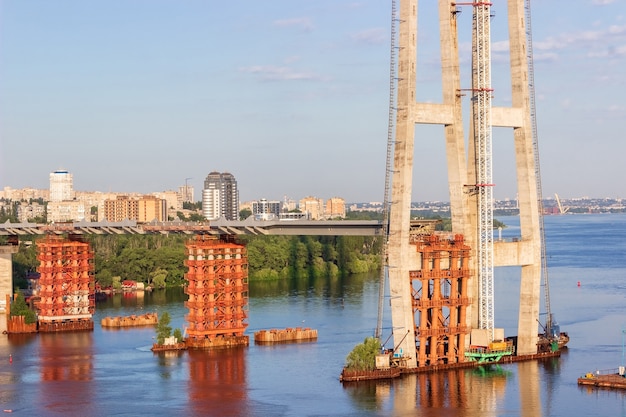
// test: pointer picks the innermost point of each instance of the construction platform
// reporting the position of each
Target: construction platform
(610, 378)
(217, 342)
(393, 372)
(148, 319)
(65, 325)
(288, 335)
(489, 354)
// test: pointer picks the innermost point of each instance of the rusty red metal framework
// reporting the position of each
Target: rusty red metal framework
(66, 285)
(217, 280)
(440, 298)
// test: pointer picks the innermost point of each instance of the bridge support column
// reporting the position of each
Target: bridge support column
(6, 281)
(461, 169)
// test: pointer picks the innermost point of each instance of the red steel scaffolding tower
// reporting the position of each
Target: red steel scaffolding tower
(218, 292)
(66, 284)
(440, 299)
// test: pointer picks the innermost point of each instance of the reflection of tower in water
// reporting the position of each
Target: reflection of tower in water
(217, 382)
(475, 391)
(67, 357)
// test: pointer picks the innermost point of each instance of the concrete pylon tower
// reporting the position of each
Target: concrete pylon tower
(461, 168)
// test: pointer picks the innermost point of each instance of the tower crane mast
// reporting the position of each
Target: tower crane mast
(482, 92)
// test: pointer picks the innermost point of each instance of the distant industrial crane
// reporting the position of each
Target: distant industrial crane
(187, 197)
(562, 210)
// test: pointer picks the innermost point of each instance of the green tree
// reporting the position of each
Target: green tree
(105, 278)
(158, 278)
(20, 308)
(363, 356)
(163, 328)
(178, 335)
(244, 213)
(116, 283)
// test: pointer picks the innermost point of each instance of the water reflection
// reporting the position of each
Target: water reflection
(336, 287)
(217, 382)
(66, 356)
(66, 370)
(466, 392)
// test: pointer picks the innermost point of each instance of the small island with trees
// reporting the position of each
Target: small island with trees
(165, 339)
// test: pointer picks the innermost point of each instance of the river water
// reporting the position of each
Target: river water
(114, 373)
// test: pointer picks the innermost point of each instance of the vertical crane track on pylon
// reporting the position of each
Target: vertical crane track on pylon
(388, 172)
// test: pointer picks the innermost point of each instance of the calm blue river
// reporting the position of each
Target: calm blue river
(114, 373)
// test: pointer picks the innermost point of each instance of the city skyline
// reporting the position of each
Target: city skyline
(290, 98)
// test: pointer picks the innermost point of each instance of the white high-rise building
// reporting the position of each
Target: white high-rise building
(220, 197)
(61, 186)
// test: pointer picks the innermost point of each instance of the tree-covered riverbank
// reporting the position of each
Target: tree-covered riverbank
(158, 260)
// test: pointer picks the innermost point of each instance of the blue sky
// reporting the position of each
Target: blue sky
(291, 97)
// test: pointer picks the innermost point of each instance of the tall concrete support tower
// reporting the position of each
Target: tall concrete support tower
(462, 170)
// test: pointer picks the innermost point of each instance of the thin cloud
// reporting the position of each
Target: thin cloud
(280, 73)
(602, 2)
(374, 36)
(303, 23)
(589, 37)
(610, 52)
(500, 46)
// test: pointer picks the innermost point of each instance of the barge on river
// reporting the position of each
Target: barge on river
(288, 335)
(609, 378)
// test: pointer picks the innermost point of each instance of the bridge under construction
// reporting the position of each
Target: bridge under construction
(441, 287)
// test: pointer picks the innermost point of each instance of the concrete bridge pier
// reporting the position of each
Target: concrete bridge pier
(6, 281)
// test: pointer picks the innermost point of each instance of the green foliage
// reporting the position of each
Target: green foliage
(163, 328)
(141, 258)
(178, 335)
(498, 224)
(20, 308)
(9, 211)
(363, 356)
(116, 283)
(105, 278)
(279, 257)
(364, 215)
(24, 262)
(244, 214)
(158, 278)
(188, 205)
(38, 219)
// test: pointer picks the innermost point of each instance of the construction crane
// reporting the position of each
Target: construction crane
(482, 92)
(551, 329)
(562, 210)
(490, 349)
(388, 172)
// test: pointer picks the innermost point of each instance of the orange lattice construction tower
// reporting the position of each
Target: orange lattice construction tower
(218, 292)
(440, 298)
(66, 284)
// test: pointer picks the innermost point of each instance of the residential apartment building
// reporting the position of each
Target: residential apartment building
(186, 193)
(145, 209)
(266, 210)
(335, 208)
(62, 206)
(220, 197)
(24, 194)
(66, 211)
(61, 186)
(26, 211)
(313, 207)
